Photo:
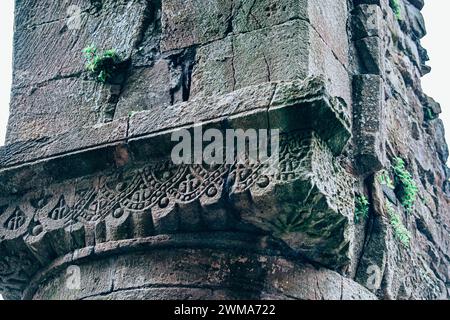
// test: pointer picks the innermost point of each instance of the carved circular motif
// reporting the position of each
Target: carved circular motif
(37, 230)
(212, 191)
(166, 175)
(164, 202)
(121, 186)
(118, 213)
(263, 182)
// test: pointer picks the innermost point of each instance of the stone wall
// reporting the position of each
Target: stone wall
(174, 51)
(86, 177)
(401, 122)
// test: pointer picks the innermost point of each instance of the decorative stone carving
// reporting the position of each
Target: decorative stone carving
(307, 204)
(106, 199)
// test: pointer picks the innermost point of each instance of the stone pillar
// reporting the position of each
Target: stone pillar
(92, 205)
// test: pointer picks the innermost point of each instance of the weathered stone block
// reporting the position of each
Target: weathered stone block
(214, 69)
(417, 3)
(279, 53)
(441, 145)
(416, 21)
(307, 201)
(368, 124)
(55, 108)
(323, 62)
(21, 152)
(254, 15)
(51, 50)
(285, 52)
(246, 59)
(329, 19)
(371, 55)
(147, 88)
(29, 13)
(305, 104)
(186, 23)
(202, 110)
(197, 22)
(367, 21)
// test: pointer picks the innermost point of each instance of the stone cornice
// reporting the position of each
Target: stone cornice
(288, 106)
(127, 187)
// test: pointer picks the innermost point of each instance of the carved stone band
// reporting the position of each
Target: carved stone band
(307, 205)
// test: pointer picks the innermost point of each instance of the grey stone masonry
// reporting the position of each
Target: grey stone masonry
(92, 206)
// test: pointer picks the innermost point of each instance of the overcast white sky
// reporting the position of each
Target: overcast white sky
(437, 84)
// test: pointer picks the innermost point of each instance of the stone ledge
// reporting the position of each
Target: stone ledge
(287, 106)
(163, 198)
(23, 152)
(296, 280)
(125, 186)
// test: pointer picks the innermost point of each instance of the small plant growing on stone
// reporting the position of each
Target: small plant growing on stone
(385, 179)
(395, 6)
(400, 231)
(406, 187)
(428, 114)
(361, 208)
(103, 65)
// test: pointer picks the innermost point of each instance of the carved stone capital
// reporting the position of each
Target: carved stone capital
(306, 205)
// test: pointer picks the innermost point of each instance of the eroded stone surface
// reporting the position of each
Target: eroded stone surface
(186, 50)
(287, 106)
(406, 122)
(85, 173)
(203, 274)
(168, 199)
(313, 200)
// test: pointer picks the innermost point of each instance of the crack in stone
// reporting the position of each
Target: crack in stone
(233, 64)
(369, 228)
(269, 75)
(58, 77)
(318, 287)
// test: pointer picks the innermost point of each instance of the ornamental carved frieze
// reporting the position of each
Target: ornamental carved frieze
(304, 201)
